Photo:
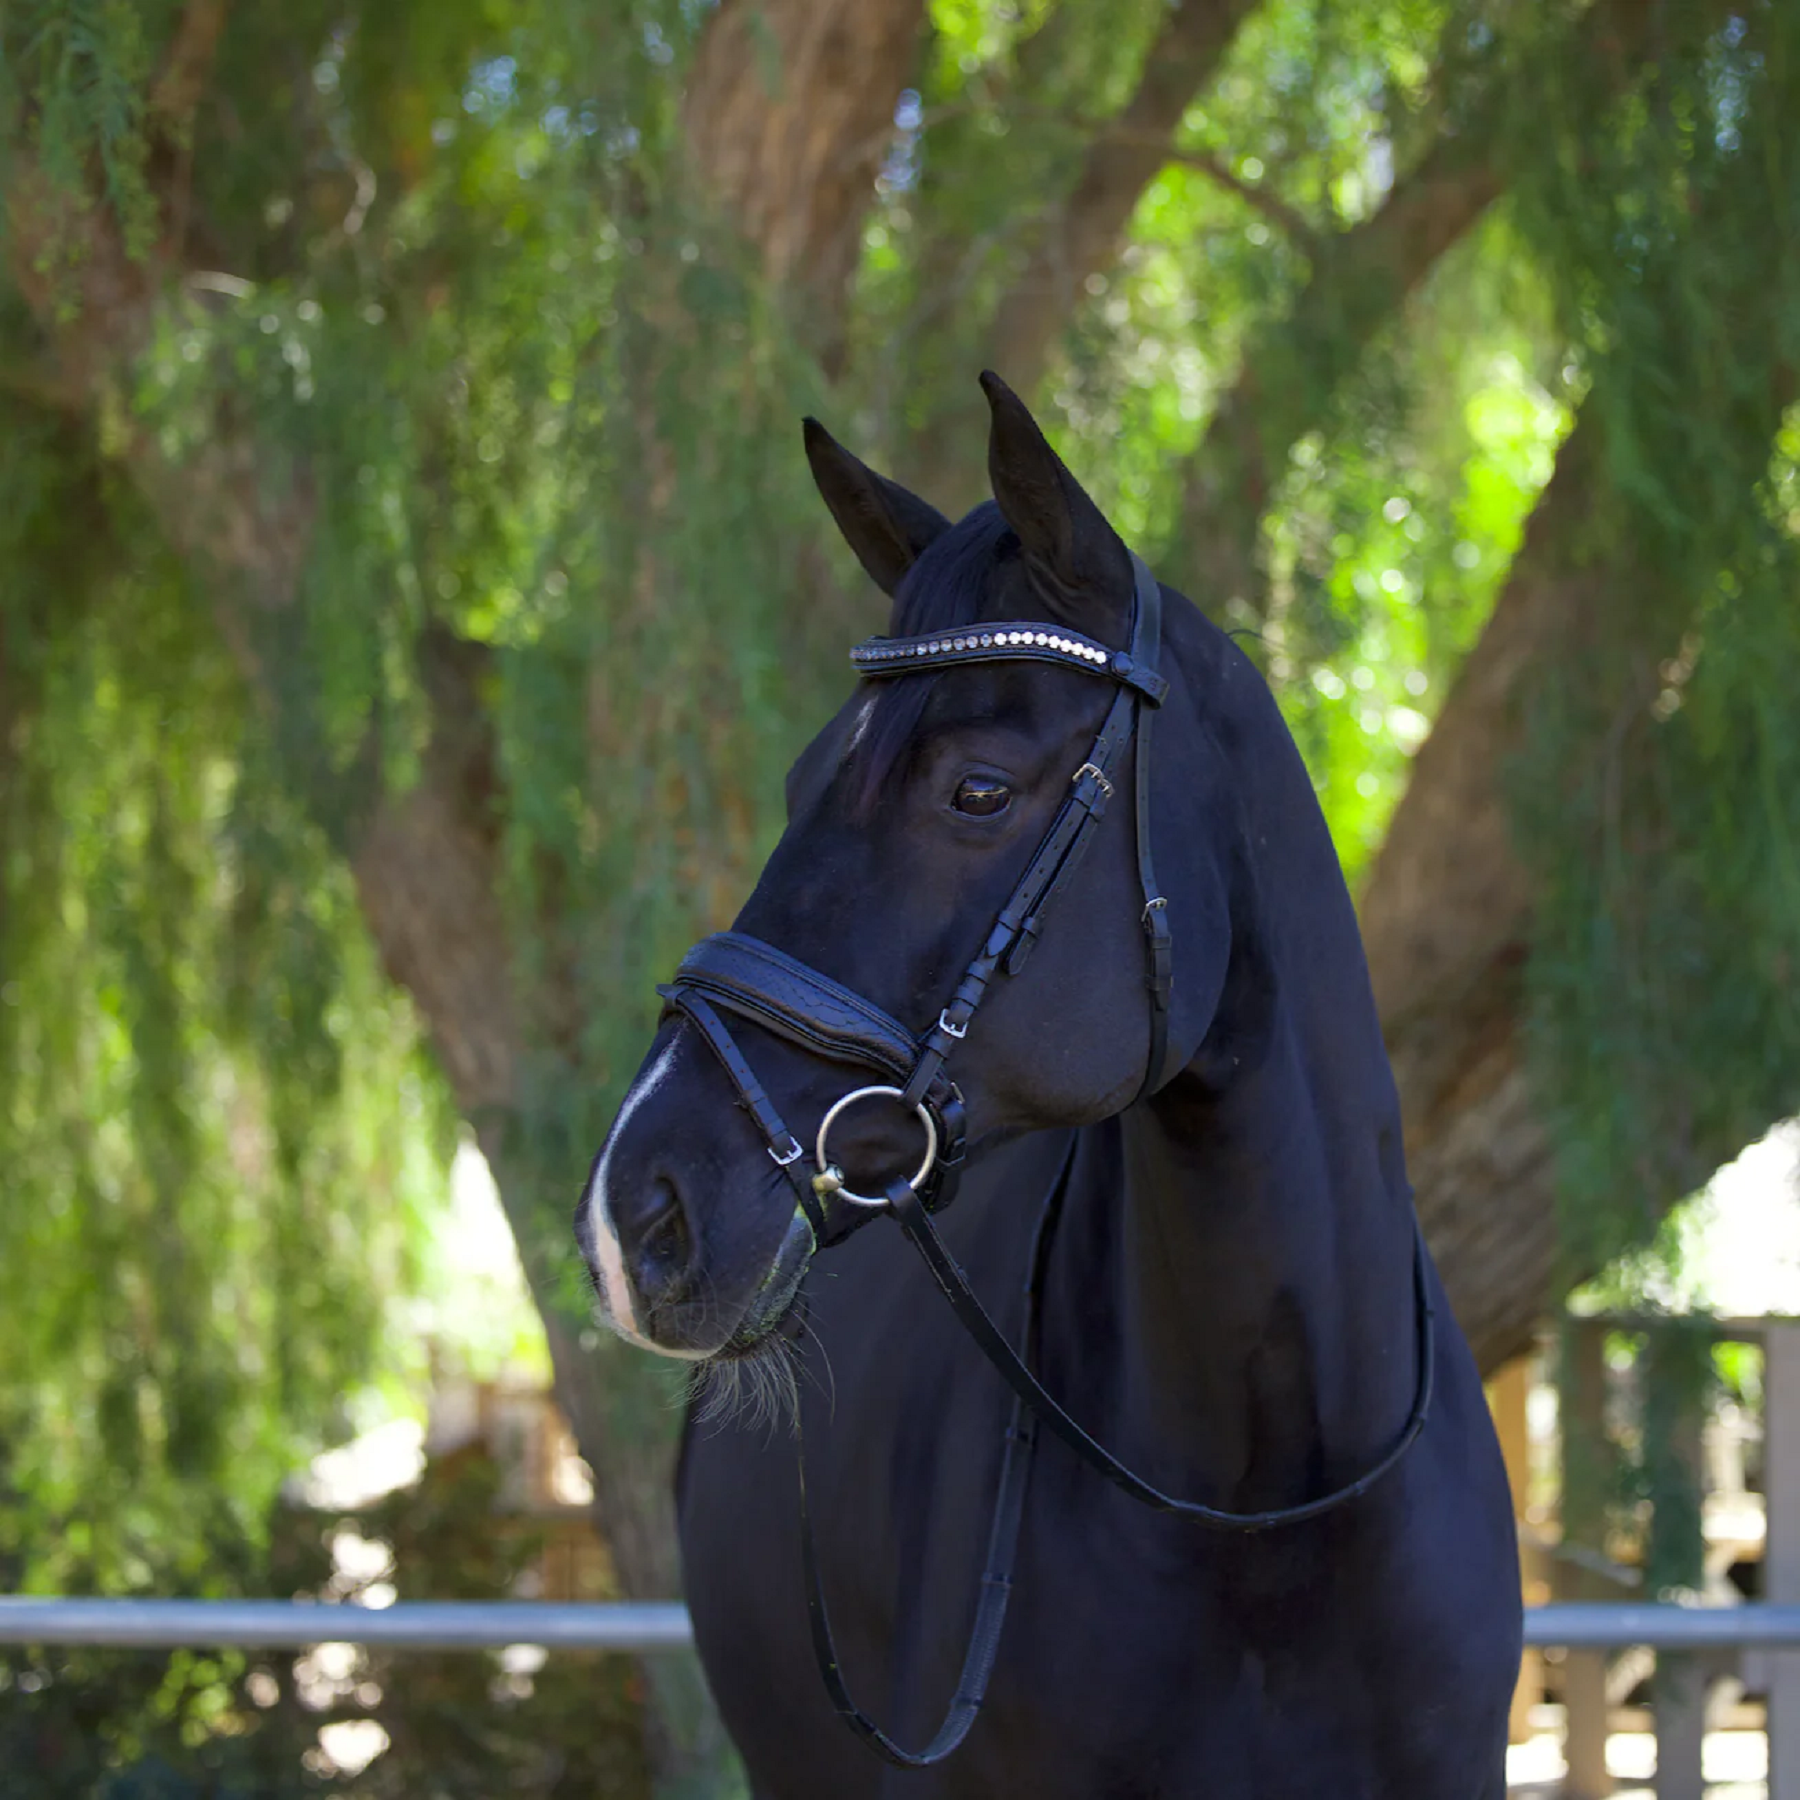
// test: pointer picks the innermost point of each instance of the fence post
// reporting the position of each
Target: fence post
(1674, 1368)
(1509, 1396)
(1682, 1680)
(1781, 1546)
(1583, 1418)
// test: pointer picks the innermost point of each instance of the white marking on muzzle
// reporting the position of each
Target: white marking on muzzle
(614, 1286)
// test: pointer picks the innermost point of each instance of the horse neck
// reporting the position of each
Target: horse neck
(1263, 1254)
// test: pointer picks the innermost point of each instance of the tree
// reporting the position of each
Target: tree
(441, 359)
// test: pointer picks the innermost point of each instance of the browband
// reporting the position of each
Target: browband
(1012, 640)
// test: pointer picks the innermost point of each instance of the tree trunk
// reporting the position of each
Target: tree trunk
(1125, 156)
(790, 114)
(1446, 915)
(1447, 908)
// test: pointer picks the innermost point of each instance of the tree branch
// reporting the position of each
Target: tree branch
(1447, 910)
(1294, 224)
(1293, 367)
(1446, 917)
(42, 387)
(789, 112)
(1270, 204)
(1121, 161)
(1359, 282)
(188, 65)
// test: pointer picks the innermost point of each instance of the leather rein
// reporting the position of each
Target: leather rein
(733, 973)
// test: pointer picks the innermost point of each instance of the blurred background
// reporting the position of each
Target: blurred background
(412, 593)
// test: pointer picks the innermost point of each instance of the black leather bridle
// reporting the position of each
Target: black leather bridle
(734, 973)
(742, 975)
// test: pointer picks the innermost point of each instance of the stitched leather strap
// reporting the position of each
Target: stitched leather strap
(1159, 942)
(746, 976)
(784, 1148)
(984, 1635)
(1032, 1405)
(1015, 930)
(1002, 1551)
(1058, 855)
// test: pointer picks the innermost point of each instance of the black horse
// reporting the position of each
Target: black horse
(1232, 1301)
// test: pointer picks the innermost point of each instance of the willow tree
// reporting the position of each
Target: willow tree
(427, 374)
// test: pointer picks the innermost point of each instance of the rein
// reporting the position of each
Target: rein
(734, 973)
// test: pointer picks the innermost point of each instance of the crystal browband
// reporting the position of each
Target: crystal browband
(1020, 639)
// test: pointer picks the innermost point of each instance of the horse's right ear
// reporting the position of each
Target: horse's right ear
(886, 526)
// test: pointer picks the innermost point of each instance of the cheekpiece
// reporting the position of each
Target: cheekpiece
(1013, 640)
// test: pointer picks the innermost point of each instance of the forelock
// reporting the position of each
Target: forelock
(951, 584)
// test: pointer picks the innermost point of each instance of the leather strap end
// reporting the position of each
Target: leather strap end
(1131, 673)
(1023, 944)
(1160, 975)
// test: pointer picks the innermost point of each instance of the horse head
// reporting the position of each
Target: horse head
(929, 826)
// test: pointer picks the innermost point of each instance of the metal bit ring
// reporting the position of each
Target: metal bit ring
(830, 1179)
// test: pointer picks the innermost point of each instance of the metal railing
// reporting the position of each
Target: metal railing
(284, 1624)
(1613, 1625)
(561, 1625)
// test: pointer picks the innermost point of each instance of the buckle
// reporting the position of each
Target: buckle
(1099, 774)
(959, 1032)
(794, 1153)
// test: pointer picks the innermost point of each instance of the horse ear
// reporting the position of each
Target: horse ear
(888, 527)
(1078, 562)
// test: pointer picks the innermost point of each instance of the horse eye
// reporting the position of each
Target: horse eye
(980, 797)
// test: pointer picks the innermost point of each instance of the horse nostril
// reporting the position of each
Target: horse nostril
(659, 1249)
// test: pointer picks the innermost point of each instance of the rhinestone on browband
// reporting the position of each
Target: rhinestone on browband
(878, 655)
(1010, 640)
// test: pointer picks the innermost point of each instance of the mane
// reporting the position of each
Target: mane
(953, 583)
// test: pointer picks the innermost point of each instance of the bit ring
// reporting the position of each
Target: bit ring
(830, 1179)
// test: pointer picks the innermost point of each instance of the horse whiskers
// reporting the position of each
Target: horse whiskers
(824, 1379)
(758, 1389)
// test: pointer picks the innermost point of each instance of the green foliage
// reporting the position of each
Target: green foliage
(76, 73)
(1679, 1381)
(1637, 1485)
(468, 1726)
(1397, 516)
(1398, 522)
(137, 1725)
(529, 410)
(1663, 978)
(217, 1132)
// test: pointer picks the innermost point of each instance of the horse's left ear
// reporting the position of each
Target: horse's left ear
(1077, 561)
(888, 526)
